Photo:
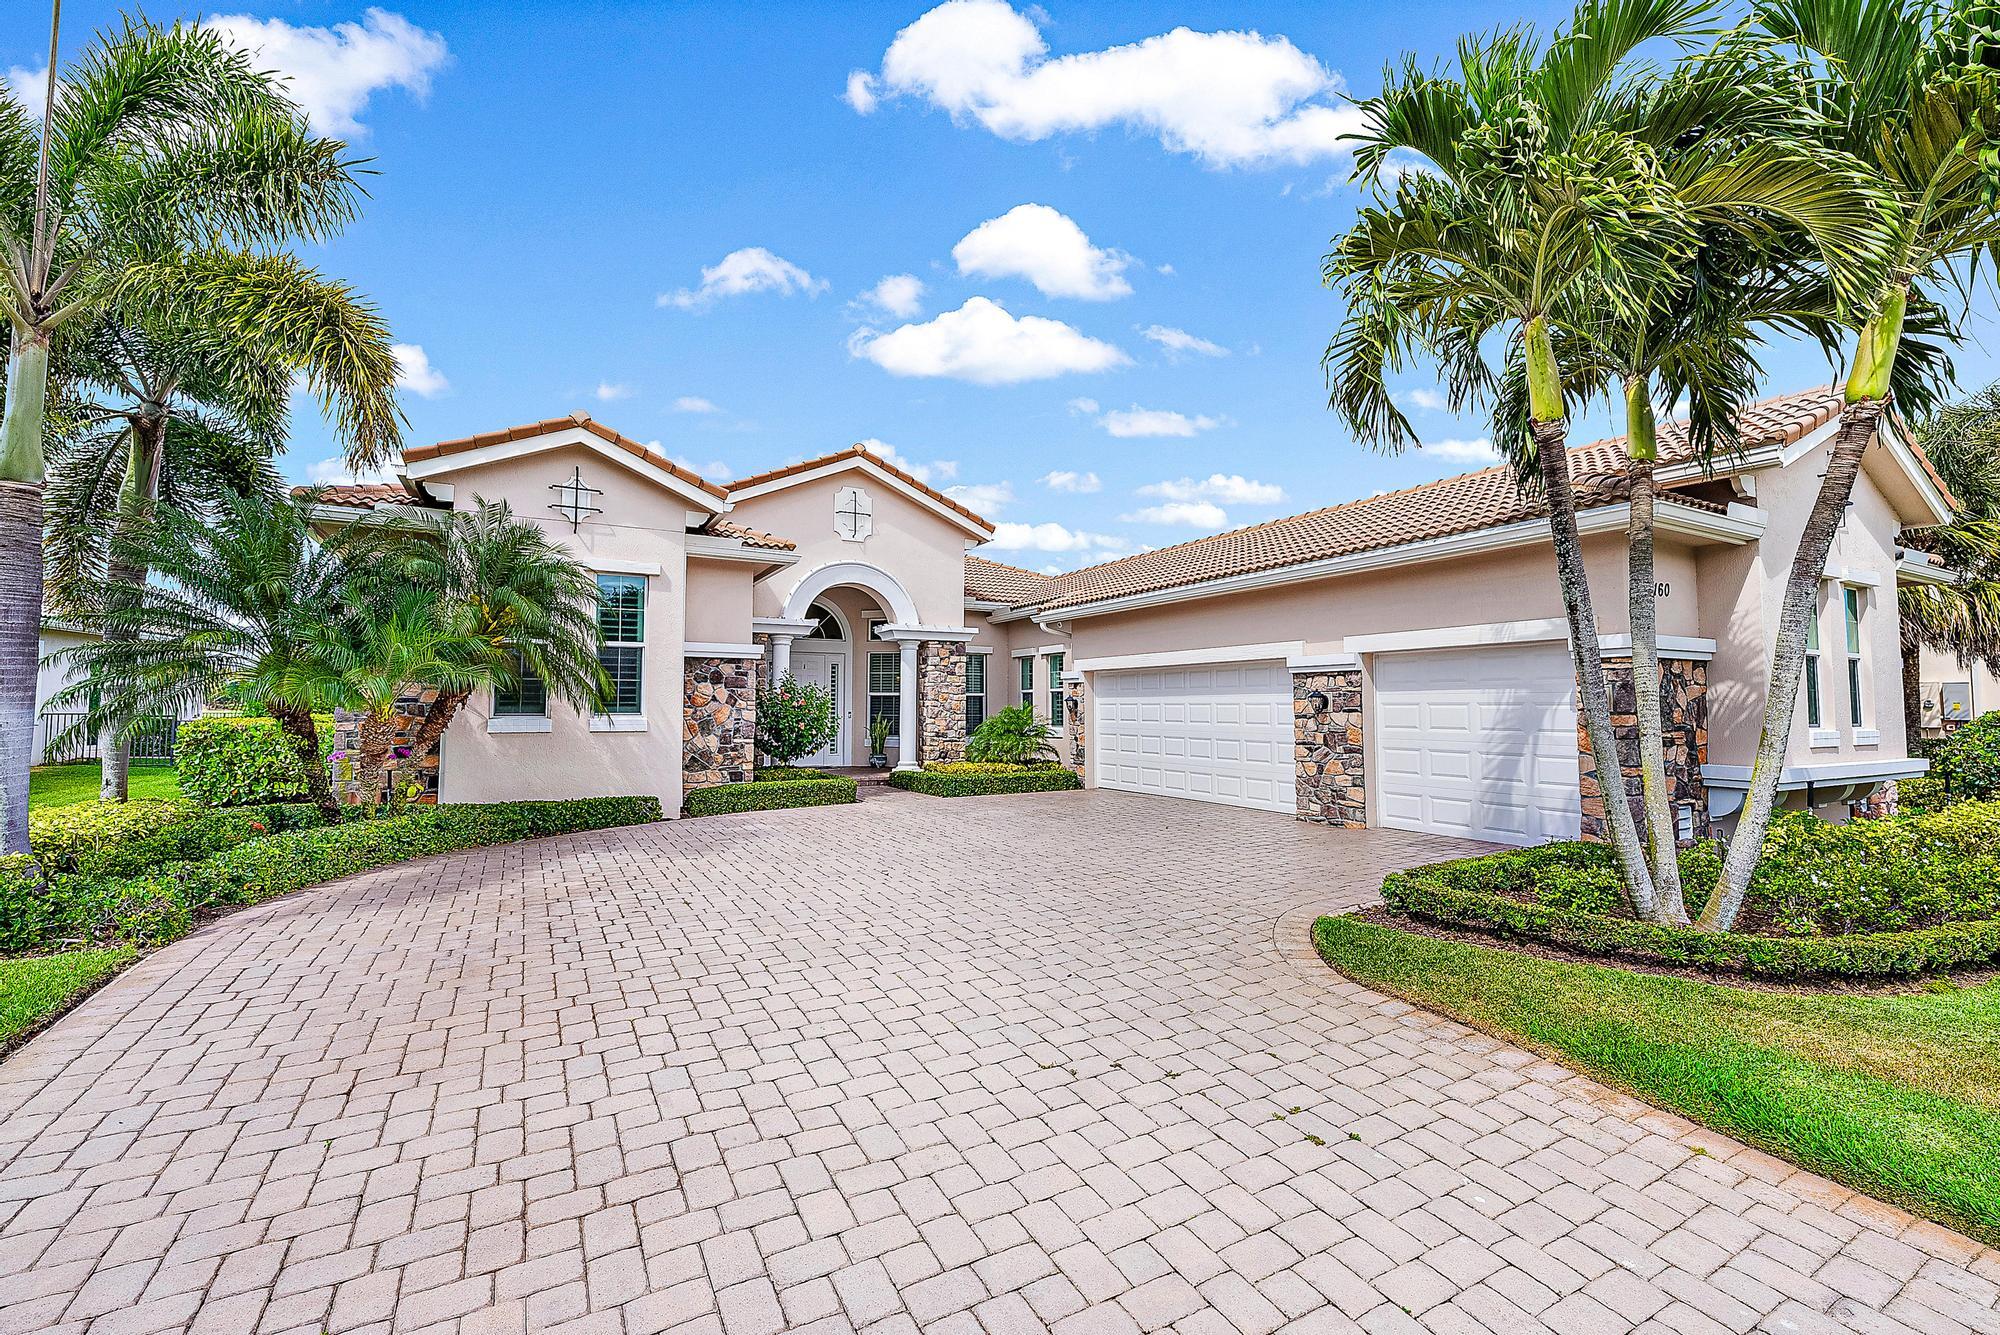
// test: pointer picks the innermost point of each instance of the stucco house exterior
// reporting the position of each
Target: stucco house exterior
(1399, 660)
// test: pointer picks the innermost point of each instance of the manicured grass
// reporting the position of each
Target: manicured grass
(38, 986)
(66, 785)
(1896, 1095)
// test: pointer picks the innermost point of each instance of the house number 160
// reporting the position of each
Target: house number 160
(1662, 589)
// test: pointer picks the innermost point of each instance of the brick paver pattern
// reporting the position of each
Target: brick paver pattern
(983, 1067)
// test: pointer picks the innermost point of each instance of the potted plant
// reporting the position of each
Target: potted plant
(878, 741)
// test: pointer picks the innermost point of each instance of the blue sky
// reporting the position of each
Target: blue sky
(1106, 235)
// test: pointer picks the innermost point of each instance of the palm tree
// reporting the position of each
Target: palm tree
(239, 608)
(1962, 441)
(1910, 88)
(189, 390)
(1564, 199)
(160, 140)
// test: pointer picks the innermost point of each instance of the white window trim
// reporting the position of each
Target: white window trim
(985, 693)
(896, 718)
(1854, 678)
(608, 722)
(1813, 687)
(618, 723)
(505, 723)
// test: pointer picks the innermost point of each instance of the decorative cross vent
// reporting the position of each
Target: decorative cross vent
(573, 499)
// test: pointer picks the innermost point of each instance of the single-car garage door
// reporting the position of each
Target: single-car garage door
(1215, 734)
(1478, 742)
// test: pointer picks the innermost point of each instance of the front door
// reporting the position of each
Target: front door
(826, 671)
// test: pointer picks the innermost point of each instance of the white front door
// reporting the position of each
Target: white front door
(827, 671)
(1215, 734)
(1478, 742)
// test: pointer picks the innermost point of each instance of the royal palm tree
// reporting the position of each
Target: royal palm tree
(1910, 88)
(159, 141)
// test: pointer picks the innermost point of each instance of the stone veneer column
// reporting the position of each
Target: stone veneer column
(719, 731)
(941, 701)
(1327, 749)
(1074, 737)
(346, 749)
(1684, 723)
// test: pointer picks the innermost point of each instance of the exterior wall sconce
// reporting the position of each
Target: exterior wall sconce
(1318, 701)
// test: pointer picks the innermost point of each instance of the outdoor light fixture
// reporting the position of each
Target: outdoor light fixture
(573, 499)
(1318, 701)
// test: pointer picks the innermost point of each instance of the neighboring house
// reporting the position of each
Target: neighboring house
(1399, 660)
(1952, 692)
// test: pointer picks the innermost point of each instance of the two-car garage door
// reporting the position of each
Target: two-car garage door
(1217, 734)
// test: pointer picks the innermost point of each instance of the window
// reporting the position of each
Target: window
(1850, 603)
(1813, 712)
(875, 625)
(621, 642)
(1055, 690)
(885, 690)
(975, 692)
(528, 697)
(1027, 662)
(826, 626)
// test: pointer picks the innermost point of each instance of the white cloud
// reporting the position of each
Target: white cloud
(1178, 342)
(1135, 421)
(1035, 242)
(714, 470)
(332, 72)
(1479, 451)
(899, 294)
(415, 373)
(1183, 514)
(694, 403)
(1229, 489)
(1063, 480)
(982, 343)
(1051, 538)
(1228, 98)
(1425, 400)
(1088, 407)
(331, 471)
(937, 470)
(606, 391)
(740, 272)
(986, 498)
(30, 88)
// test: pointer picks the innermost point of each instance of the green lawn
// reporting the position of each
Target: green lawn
(65, 785)
(38, 986)
(1897, 1095)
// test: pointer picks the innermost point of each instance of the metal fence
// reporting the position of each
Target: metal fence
(152, 739)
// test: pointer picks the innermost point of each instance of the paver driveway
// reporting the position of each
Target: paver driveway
(952, 1066)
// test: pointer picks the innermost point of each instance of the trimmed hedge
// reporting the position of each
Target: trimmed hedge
(976, 779)
(228, 761)
(799, 788)
(789, 774)
(62, 836)
(1922, 870)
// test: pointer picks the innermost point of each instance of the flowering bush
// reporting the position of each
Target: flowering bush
(795, 719)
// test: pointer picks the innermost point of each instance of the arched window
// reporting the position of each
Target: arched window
(826, 626)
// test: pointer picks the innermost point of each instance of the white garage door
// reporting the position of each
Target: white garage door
(1215, 734)
(1478, 742)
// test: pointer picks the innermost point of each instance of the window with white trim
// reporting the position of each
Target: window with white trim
(975, 692)
(1850, 606)
(1814, 711)
(1027, 662)
(621, 642)
(526, 697)
(1055, 690)
(885, 690)
(875, 625)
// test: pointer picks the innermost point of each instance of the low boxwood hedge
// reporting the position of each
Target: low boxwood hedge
(62, 836)
(788, 774)
(975, 779)
(762, 794)
(226, 761)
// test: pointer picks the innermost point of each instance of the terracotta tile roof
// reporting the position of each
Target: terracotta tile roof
(362, 495)
(858, 452)
(652, 456)
(1439, 509)
(992, 582)
(719, 527)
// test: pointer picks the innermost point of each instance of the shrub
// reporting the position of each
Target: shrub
(789, 774)
(228, 761)
(1013, 736)
(794, 719)
(1966, 761)
(981, 779)
(203, 835)
(1879, 875)
(769, 795)
(24, 904)
(62, 836)
(1924, 793)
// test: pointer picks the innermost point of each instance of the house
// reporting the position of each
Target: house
(1399, 660)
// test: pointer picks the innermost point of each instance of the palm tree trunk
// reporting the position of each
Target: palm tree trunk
(298, 725)
(1788, 654)
(126, 580)
(438, 715)
(1594, 701)
(1643, 595)
(374, 738)
(1913, 688)
(21, 471)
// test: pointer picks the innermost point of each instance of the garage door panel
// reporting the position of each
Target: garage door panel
(1218, 734)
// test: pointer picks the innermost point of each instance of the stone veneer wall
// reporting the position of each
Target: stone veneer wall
(719, 729)
(940, 702)
(1327, 749)
(1075, 738)
(1684, 721)
(347, 746)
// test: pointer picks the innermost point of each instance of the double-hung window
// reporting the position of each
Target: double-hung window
(975, 691)
(621, 642)
(527, 697)
(1850, 606)
(1027, 662)
(885, 690)
(1055, 690)
(1815, 711)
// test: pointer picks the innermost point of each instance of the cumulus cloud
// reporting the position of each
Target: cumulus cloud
(29, 87)
(981, 342)
(899, 294)
(1230, 99)
(415, 373)
(1087, 407)
(332, 72)
(1179, 342)
(1128, 423)
(694, 403)
(714, 470)
(1479, 451)
(986, 498)
(1051, 538)
(606, 391)
(1046, 247)
(741, 272)
(1229, 489)
(937, 470)
(1181, 514)
(327, 472)
(1425, 400)
(1064, 480)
